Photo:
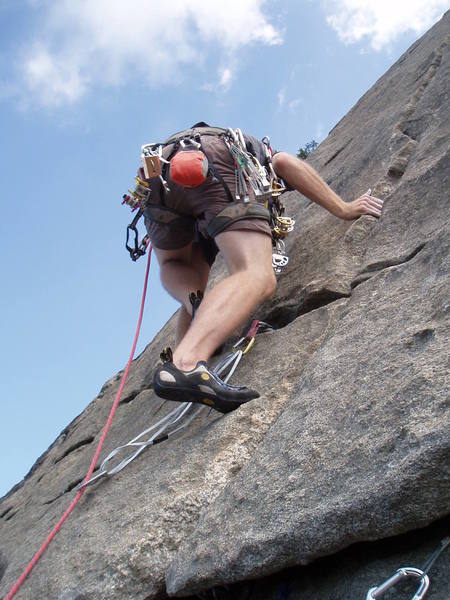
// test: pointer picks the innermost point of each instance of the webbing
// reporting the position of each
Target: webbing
(15, 588)
(164, 428)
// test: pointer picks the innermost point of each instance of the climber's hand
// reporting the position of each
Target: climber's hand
(364, 205)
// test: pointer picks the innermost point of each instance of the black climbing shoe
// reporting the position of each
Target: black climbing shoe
(199, 385)
(195, 299)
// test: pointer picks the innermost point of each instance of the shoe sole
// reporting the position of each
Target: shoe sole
(183, 394)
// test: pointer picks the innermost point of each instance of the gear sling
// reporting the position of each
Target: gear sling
(190, 166)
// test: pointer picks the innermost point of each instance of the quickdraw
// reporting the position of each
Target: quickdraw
(280, 224)
(179, 418)
(135, 199)
(399, 575)
(410, 572)
(248, 169)
(139, 247)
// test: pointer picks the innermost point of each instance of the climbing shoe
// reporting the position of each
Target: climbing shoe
(195, 299)
(199, 385)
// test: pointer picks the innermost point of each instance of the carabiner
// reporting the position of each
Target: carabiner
(284, 225)
(266, 141)
(139, 248)
(190, 142)
(400, 574)
(278, 186)
(249, 338)
(249, 346)
(235, 348)
(92, 480)
(279, 260)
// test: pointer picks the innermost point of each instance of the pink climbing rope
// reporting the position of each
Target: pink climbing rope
(15, 588)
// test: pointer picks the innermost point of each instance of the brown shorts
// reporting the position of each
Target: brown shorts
(201, 204)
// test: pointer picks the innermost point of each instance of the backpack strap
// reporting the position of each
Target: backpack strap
(193, 133)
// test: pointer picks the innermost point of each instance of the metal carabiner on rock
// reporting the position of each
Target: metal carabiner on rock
(93, 479)
(249, 346)
(249, 337)
(399, 575)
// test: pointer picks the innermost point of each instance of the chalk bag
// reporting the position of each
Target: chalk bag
(189, 168)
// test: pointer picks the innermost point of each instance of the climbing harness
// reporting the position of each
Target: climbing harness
(410, 572)
(256, 195)
(179, 418)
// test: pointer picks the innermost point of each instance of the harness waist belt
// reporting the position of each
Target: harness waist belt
(230, 214)
(158, 213)
(236, 212)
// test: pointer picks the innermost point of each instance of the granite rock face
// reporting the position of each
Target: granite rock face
(349, 441)
(360, 450)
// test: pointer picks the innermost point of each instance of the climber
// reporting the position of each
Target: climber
(193, 219)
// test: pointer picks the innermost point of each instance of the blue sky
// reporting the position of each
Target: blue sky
(83, 84)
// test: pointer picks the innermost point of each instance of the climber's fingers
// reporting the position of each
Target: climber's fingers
(365, 205)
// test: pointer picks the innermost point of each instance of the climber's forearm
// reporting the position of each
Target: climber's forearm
(310, 184)
(301, 176)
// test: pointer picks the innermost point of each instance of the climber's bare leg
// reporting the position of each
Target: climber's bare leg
(182, 272)
(183, 323)
(248, 255)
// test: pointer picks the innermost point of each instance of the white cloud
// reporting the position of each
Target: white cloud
(88, 43)
(62, 84)
(281, 97)
(226, 78)
(294, 104)
(381, 21)
(222, 83)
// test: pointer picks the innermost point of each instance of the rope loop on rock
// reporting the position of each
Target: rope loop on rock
(164, 428)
